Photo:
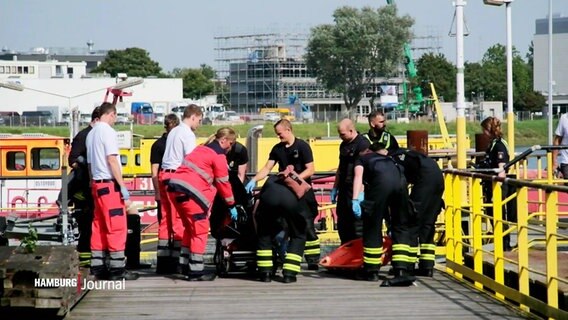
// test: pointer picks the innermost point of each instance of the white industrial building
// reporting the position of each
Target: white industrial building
(62, 86)
(559, 61)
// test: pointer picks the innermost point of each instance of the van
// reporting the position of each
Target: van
(37, 118)
(9, 118)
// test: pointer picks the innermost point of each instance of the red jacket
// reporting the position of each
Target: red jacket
(201, 174)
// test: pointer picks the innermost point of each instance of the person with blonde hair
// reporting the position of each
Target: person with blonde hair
(193, 186)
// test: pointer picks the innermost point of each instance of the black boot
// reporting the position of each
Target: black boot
(100, 273)
(402, 278)
(166, 265)
(425, 272)
(265, 277)
(313, 266)
(289, 278)
(120, 274)
(201, 276)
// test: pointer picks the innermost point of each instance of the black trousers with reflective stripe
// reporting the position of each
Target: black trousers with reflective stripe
(276, 200)
(348, 227)
(372, 217)
(312, 240)
(426, 198)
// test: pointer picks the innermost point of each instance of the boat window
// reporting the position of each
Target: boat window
(137, 160)
(45, 159)
(15, 160)
(123, 160)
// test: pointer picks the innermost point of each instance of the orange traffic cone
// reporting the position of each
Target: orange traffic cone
(349, 256)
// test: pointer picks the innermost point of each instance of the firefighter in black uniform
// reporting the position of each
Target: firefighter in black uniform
(385, 191)
(426, 203)
(80, 190)
(348, 227)
(157, 153)
(378, 131)
(237, 160)
(496, 156)
(296, 152)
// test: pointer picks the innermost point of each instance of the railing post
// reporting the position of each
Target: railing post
(523, 242)
(476, 213)
(552, 248)
(457, 219)
(498, 261)
(449, 216)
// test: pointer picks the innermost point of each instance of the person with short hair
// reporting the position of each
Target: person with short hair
(378, 131)
(157, 153)
(79, 190)
(202, 174)
(352, 145)
(560, 163)
(180, 142)
(111, 197)
(278, 200)
(386, 192)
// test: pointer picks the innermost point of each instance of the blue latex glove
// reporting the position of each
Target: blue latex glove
(124, 193)
(234, 213)
(361, 196)
(334, 195)
(356, 206)
(250, 186)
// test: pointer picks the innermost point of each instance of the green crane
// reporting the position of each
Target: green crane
(414, 106)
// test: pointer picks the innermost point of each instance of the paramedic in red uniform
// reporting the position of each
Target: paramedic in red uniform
(110, 195)
(193, 187)
(180, 142)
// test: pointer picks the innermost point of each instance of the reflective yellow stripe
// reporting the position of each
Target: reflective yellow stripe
(373, 250)
(427, 257)
(262, 263)
(291, 267)
(264, 253)
(312, 251)
(403, 258)
(428, 246)
(399, 246)
(312, 243)
(372, 260)
(293, 257)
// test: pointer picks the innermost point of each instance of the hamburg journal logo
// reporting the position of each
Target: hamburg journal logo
(80, 283)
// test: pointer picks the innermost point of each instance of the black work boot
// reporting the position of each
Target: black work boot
(313, 266)
(265, 277)
(425, 272)
(100, 273)
(372, 276)
(119, 274)
(288, 278)
(402, 278)
(200, 276)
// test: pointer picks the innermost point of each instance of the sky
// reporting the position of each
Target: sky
(180, 33)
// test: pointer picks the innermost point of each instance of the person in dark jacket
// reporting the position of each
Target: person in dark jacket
(157, 153)
(79, 190)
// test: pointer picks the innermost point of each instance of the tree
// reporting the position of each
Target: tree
(135, 62)
(474, 79)
(437, 69)
(196, 82)
(362, 44)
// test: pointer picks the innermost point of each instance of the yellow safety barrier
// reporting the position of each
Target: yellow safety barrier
(464, 203)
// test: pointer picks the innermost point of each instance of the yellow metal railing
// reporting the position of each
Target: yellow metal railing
(464, 203)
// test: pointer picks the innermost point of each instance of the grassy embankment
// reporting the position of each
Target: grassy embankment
(527, 133)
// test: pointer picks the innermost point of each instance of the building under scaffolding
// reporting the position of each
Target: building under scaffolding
(264, 70)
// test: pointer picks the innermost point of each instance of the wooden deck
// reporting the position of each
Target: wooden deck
(316, 295)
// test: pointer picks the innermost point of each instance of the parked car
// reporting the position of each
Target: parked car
(37, 118)
(231, 116)
(271, 116)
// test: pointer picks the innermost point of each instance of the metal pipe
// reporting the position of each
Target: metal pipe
(550, 81)
(460, 106)
(510, 112)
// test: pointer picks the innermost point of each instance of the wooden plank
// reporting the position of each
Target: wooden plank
(315, 295)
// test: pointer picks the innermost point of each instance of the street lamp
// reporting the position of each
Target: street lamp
(510, 113)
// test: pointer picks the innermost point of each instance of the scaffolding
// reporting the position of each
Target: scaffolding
(250, 67)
